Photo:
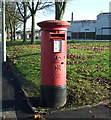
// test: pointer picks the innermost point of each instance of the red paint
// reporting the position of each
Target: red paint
(53, 64)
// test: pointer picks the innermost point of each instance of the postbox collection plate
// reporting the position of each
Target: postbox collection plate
(57, 45)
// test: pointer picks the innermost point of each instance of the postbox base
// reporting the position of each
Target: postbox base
(53, 96)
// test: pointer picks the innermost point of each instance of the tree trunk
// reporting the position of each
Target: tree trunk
(11, 30)
(60, 10)
(33, 29)
(14, 33)
(57, 11)
(8, 34)
(24, 31)
(63, 10)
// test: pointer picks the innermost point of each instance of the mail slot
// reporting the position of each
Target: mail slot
(57, 36)
(53, 62)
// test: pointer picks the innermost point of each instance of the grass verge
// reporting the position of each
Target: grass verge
(88, 78)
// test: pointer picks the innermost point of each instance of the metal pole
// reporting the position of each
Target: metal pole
(0, 58)
(3, 33)
(110, 21)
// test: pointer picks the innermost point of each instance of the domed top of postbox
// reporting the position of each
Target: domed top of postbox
(53, 24)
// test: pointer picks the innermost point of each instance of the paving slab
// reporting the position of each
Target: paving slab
(99, 111)
(14, 103)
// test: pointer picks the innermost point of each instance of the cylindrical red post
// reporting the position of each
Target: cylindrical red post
(53, 62)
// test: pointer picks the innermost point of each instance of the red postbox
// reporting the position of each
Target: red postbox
(53, 62)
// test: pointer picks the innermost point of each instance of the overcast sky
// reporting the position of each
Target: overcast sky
(82, 10)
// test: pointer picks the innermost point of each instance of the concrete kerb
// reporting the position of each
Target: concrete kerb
(50, 110)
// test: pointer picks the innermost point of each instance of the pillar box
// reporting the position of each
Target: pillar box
(53, 62)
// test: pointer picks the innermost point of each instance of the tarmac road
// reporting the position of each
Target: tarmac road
(14, 103)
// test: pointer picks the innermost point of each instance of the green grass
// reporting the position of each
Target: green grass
(88, 79)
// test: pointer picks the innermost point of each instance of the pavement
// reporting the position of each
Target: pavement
(15, 105)
(14, 102)
(96, 112)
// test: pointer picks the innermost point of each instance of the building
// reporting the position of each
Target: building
(84, 29)
(91, 29)
(110, 6)
(103, 26)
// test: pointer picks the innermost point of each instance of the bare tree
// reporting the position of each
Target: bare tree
(23, 10)
(11, 16)
(7, 24)
(34, 7)
(8, 20)
(60, 6)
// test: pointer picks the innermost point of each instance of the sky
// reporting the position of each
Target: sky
(82, 10)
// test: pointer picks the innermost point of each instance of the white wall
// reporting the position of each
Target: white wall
(101, 26)
(103, 23)
(82, 26)
(110, 6)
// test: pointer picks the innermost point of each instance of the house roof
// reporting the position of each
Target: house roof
(106, 13)
(83, 21)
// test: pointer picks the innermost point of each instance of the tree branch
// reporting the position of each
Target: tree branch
(19, 9)
(14, 16)
(45, 6)
(28, 4)
(37, 5)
